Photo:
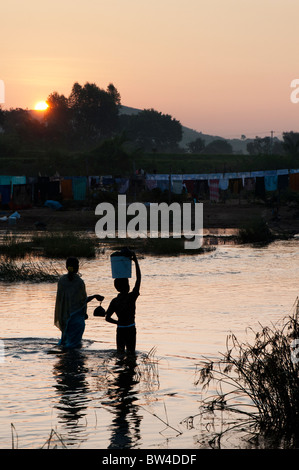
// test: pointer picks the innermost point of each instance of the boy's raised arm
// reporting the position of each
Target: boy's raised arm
(138, 272)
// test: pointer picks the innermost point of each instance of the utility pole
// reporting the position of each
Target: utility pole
(271, 142)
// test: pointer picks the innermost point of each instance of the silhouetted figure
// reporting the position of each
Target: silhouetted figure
(124, 306)
(71, 305)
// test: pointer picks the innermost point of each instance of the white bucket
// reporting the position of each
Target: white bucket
(121, 266)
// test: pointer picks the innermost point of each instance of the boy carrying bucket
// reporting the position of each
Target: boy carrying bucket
(124, 306)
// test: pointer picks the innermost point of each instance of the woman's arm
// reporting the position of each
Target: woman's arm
(96, 296)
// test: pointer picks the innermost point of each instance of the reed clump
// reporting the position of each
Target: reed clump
(256, 231)
(14, 246)
(263, 376)
(171, 247)
(29, 271)
(64, 244)
(50, 245)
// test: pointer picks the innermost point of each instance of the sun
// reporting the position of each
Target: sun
(41, 106)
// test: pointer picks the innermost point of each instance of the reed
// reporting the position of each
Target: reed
(14, 246)
(169, 247)
(263, 375)
(64, 244)
(255, 231)
(29, 271)
(54, 441)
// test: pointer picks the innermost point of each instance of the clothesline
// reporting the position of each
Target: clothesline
(219, 176)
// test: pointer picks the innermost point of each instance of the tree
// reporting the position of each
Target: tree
(259, 146)
(219, 147)
(155, 131)
(2, 116)
(22, 126)
(291, 143)
(265, 146)
(94, 111)
(58, 119)
(112, 155)
(196, 146)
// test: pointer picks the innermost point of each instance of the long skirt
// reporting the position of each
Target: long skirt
(75, 326)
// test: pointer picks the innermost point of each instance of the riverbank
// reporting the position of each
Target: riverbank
(229, 215)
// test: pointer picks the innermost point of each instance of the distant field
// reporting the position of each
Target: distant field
(214, 163)
(80, 164)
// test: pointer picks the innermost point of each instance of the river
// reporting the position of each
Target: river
(90, 398)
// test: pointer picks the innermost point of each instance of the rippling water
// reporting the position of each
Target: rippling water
(92, 399)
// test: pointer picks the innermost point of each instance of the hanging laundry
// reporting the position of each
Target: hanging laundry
(236, 185)
(53, 190)
(271, 183)
(223, 184)
(5, 192)
(203, 190)
(122, 185)
(294, 181)
(107, 180)
(163, 185)
(151, 184)
(79, 185)
(66, 189)
(177, 187)
(21, 196)
(249, 184)
(214, 190)
(189, 185)
(41, 189)
(260, 187)
(93, 181)
(282, 182)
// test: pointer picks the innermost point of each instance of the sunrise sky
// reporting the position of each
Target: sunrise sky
(223, 67)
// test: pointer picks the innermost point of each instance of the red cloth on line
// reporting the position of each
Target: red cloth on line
(214, 190)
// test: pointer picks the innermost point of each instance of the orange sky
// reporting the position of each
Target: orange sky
(223, 67)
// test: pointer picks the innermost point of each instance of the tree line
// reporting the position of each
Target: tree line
(91, 115)
(84, 120)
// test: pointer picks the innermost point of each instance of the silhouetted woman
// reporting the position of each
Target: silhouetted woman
(71, 305)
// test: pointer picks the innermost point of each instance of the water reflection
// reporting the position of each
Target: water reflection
(72, 387)
(125, 427)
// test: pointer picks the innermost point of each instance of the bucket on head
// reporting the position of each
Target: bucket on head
(121, 265)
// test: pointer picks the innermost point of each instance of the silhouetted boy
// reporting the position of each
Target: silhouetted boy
(124, 306)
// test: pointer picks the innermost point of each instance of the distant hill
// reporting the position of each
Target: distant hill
(189, 135)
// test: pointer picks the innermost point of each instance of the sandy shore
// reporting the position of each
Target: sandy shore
(216, 216)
